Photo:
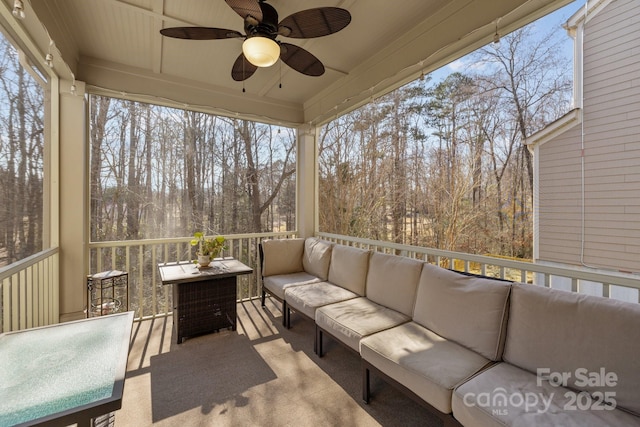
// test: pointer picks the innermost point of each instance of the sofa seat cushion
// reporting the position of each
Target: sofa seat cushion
(306, 299)
(277, 284)
(507, 395)
(349, 321)
(424, 362)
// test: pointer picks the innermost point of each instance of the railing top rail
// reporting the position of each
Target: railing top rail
(19, 266)
(121, 243)
(614, 278)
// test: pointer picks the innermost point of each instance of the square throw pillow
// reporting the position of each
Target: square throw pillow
(282, 256)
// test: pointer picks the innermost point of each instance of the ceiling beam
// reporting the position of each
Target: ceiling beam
(154, 13)
(117, 80)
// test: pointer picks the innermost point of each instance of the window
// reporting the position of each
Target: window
(159, 172)
(22, 135)
(442, 161)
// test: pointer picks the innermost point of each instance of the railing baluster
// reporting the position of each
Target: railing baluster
(99, 260)
(22, 299)
(43, 286)
(140, 283)
(154, 261)
(39, 289)
(178, 248)
(28, 297)
(6, 305)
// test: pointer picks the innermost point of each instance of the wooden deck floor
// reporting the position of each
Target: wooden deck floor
(259, 375)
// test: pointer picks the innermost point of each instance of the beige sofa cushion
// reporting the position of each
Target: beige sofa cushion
(282, 256)
(563, 331)
(349, 321)
(392, 281)
(306, 299)
(505, 395)
(276, 285)
(349, 267)
(422, 361)
(468, 310)
(316, 258)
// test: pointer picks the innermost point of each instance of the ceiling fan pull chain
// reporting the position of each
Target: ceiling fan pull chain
(280, 85)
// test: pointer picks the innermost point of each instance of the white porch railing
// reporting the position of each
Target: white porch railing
(29, 292)
(29, 289)
(620, 286)
(140, 259)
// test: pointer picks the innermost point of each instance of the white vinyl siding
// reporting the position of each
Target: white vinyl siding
(611, 154)
(559, 198)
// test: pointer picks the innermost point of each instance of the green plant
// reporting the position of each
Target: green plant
(208, 246)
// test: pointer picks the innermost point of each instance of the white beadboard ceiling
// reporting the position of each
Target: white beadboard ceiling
(115, 45)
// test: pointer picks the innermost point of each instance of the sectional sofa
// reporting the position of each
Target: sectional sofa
(476, 351)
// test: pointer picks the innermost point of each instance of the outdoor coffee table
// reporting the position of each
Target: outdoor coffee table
(64, 374)
(204, 299)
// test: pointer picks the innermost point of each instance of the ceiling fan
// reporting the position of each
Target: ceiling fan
(260, 47)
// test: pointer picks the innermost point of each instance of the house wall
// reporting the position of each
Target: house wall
(610, 134)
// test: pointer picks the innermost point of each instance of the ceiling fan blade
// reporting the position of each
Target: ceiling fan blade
(301, 60)
(199, 33)
(246, 8)
(316, 22)
(242, 69)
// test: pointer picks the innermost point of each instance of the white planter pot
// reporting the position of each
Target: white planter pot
(204, 260)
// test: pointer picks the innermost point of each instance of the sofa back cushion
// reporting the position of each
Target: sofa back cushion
(392, 281)
(469, 310)
(282, 256)
(317, 257)
(578, 336)
(348, 268)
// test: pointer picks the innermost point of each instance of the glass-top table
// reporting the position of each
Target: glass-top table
(64, 374)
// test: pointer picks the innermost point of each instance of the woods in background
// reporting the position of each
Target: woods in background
(21, 159)
(444, 164)
(161, 172)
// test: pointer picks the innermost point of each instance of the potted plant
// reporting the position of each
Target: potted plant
(208, 248)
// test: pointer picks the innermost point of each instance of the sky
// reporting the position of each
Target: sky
(553, 21)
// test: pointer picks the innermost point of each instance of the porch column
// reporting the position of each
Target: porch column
(73, 213)
(307, 183)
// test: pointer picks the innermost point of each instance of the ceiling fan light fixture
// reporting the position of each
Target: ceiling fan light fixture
(261, 51)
